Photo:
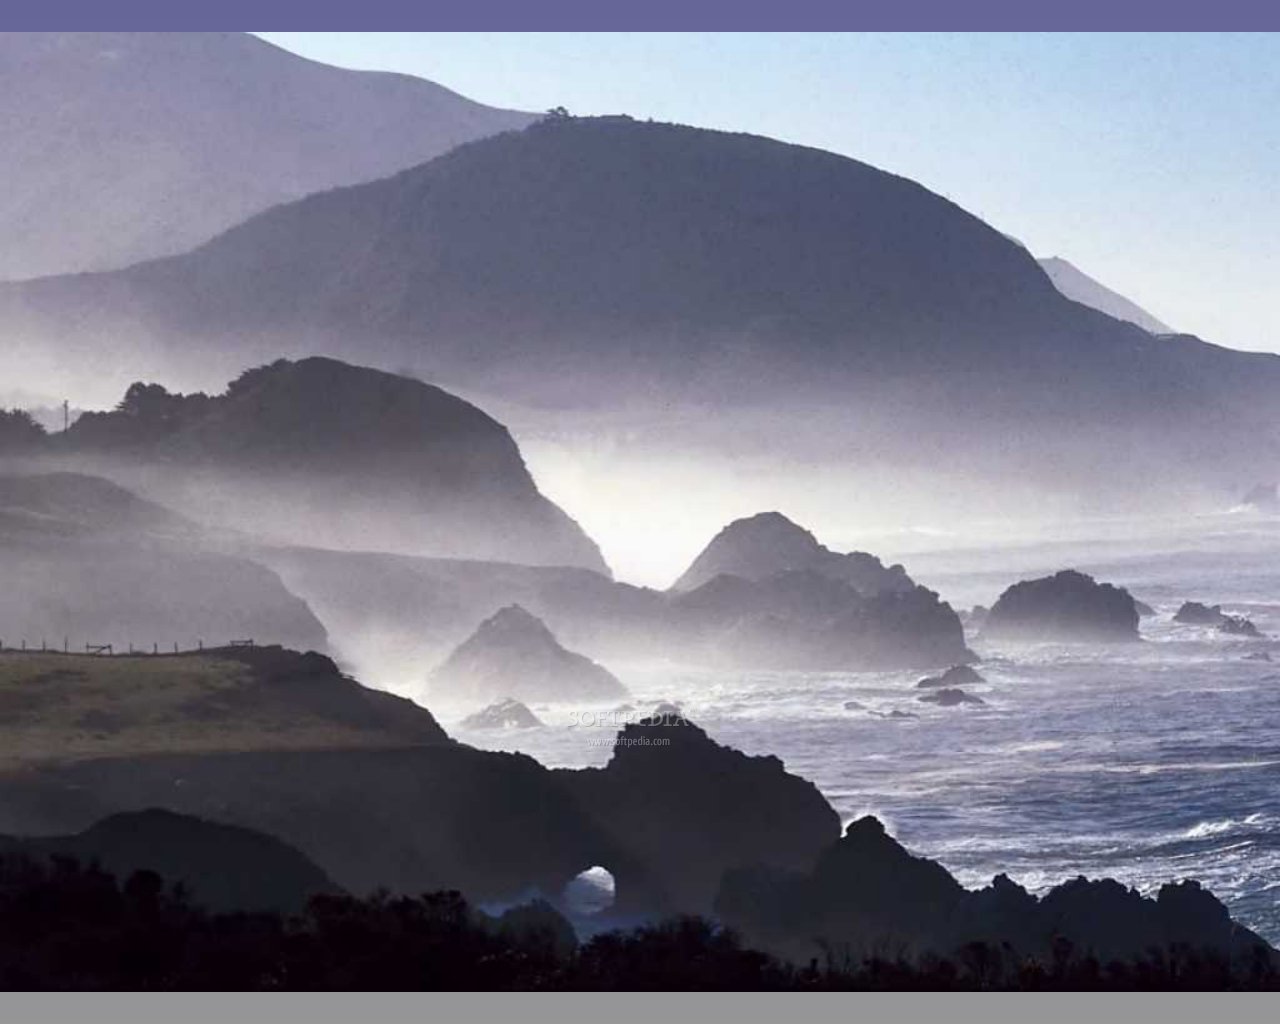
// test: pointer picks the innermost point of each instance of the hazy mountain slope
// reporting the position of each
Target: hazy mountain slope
(632, 275)
(1078, 286)
(124, 146)
(335, 455)
(87, 562)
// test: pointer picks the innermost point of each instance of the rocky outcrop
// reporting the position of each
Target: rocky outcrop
(1068, 606)
(1194, 613)
(956, 675)
(505, 715)
(767, 544)
(1238, 625)
(867, 895)
(367, 786)
(687, 809)
(224, 867)
(805, 620)
(513, 655)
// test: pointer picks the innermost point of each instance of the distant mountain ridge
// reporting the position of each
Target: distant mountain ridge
(601, 269)
(124, 146)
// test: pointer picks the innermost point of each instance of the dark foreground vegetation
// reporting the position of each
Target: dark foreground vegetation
(67, 926)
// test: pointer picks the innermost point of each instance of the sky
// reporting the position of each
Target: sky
(1149, 161)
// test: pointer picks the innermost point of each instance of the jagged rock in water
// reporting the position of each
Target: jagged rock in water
(1193, 613)
(513, 655)
(867, 895)
(506, 714)
(1238, 625)
(957, 675)
(1145, 610)
(769, 543)
(949, 698)
(1068, 606)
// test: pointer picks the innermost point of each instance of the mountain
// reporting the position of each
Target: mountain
(609, 276)
(1078, 286)
(88, 562)
(769, 543)
(124, 146)
(338, 455)
(513, 656)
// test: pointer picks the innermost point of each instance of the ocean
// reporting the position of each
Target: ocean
(1146, 762)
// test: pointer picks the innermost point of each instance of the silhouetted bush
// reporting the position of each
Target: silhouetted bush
(19, 430)
(67, 926)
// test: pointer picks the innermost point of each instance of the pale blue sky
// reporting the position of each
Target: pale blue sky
(1149, 161)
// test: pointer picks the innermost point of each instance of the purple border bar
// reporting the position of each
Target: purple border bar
(643, 15)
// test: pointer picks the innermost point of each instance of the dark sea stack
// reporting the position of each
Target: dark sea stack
(1145, 610)
(1193, 613)
(323, 452)
(226, 868)
(956, 675)
(512, 654)
(867, 895)
(1068, 607)
(504, 715)
(949, 697)
(765, 594)
(767, 544)
(687, 809)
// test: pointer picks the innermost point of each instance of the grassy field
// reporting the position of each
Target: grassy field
(60, 707)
